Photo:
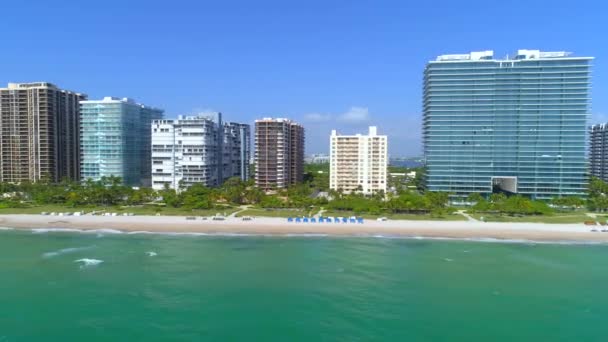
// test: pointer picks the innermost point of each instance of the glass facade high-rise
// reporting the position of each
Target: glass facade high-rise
(514, 125)
(116, 140)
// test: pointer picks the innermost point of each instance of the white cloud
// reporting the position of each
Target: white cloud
(355, 115)
(317, 117)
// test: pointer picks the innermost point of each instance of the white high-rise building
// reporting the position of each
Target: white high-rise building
(358, 162)
(198, 149)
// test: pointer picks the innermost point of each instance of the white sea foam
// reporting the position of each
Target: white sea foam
(6, 228)
(86, 262)
(55, 230)
(448, 259)
(65, 251)
(495, 240)
(73, 230)
(150, 253)
(104, 231)
(199, 234)
(379, 236)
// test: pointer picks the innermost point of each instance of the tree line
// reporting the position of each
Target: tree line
(109, 191)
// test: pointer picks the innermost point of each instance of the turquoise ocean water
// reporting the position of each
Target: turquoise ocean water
(188, 288)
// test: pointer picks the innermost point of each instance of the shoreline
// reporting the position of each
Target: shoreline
(462, 230)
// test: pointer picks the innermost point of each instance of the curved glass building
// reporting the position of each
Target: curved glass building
(514, 125)
(116, 140)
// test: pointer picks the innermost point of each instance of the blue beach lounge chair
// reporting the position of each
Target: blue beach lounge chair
(305, 220)
(298, 220)
(313, 220)
(290, 219)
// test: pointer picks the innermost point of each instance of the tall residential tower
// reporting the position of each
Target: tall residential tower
(39, 133)
(358, 163)
(514, 125)
(598, 151)
(279, 153)
(198, 149)
(116, 140)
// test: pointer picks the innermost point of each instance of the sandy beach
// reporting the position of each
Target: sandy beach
(280, 226)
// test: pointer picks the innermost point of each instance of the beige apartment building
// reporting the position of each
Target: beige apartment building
(358, 163)
(39, 133)
(279, 153)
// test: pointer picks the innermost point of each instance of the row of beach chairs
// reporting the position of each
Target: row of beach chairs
(325, 219)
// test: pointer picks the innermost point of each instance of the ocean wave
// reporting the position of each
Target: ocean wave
(86, 262)
(514, 241)
(191, 233)
(6, 228)
(73, 230)
(151, 254)
(475, 239)
(312, 235)
(65, 251)
(55, 230)
(104, 231)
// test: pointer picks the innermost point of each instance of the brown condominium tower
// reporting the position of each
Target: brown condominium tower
(39, 133)
(279, 153)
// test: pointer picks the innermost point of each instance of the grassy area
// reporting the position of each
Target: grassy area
(273, 212)
(47, 208)
(138, 210)
(576, 217)
(413, 217)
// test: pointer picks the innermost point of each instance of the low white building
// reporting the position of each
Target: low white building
(198, 149)
(317, 159)
(358, 163)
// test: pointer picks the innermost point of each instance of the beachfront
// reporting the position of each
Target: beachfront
(280, 226)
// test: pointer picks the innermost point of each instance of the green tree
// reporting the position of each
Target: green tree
(197, 196)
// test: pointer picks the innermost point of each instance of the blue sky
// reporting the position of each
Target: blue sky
(328, 64)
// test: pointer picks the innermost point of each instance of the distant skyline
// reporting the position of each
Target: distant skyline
(341, 65)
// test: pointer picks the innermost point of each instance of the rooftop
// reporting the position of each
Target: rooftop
(521, 54)
(373, 132)
(275, 120)
(112, 99)
(38, 85)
